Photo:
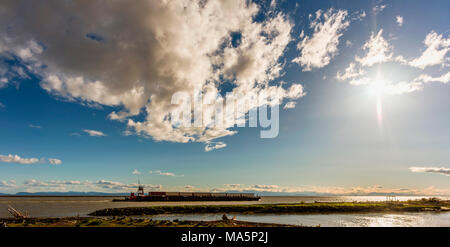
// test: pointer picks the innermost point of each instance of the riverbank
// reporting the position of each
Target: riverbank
(329, 207)
(127, 222)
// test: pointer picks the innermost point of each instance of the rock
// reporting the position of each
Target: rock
(224, 217)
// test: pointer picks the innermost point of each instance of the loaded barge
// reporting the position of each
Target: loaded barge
(140, 196)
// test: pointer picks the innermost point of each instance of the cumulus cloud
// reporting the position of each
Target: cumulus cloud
(99, 186)
(289, 105)
(378, 8)
(120, 187)
(3, 82)
(296, 91)
(424, 78)
(437, 170)
(17, 159)
(51, 183)
(333, 190)
(54, 161)
(377, 50)
(136, 172)
(170, 174)
(10, 158)
(317, 50)
(437, 47)
(11, 74)
(399, 20)
(214, 145)
(264, 187)
(8, 184)
(232, 185)
(94, 132)
(351, 72)
(34, 126)
(135, 57)
(416, 84)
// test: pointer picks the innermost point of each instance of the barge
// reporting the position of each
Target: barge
(158, 196)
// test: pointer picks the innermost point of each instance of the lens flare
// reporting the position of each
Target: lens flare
(380, 111)
(377, 88)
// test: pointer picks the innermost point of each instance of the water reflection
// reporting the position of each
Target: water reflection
(329, 220)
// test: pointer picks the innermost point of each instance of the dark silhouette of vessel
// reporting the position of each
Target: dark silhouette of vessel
(158, 196)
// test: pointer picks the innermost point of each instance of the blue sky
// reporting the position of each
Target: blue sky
(335, 140)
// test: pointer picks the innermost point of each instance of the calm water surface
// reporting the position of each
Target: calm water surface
(73, 206)
(347, 220)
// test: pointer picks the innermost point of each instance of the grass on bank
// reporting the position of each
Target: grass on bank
(432, 204)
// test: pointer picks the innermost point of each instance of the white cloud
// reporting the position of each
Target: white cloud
(144, 54)
(8, 184)
(17, 159)
(435, 53)
(402, 87)
(348, 43)
(3, 82)
(53, 183)
(169, 174)
(351, 72)
(233, 185)
(437, 170)
(94, 132)
(264, 187)
(290, 105)
(121, 187)
(2, 106)
(334, 190)
(399, 20)
(102, 185)
(416, 84)
(10, 158)
(378, 50)
(214, 145)
(296, 91)
(317, 50)
(358, 15)
(54, 161)
(136, 172)
(126, 133)
(378, 8)
(34, 126)
(424, 78)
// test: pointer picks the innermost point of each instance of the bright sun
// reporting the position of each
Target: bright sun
(378, 87)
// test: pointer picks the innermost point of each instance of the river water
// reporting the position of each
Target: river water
(81, 206)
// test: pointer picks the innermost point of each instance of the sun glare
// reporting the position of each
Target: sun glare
(377, 88)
